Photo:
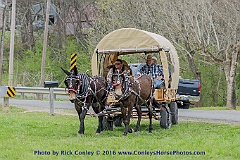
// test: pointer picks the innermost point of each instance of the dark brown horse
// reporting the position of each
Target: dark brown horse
(133, 91)
(84, 91)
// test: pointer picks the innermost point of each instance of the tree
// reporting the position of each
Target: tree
(209, 29)
(25, 21)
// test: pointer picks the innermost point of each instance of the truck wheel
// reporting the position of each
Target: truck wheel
(174, 112)
(186, 106)
(166, 119)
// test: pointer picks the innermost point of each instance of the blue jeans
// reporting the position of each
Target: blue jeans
(158, 83)
(110, 86)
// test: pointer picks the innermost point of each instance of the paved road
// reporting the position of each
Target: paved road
(224, 116)
(43, 104)
(60, 107)
(231, 116)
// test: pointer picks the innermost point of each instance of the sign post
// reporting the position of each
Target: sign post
(7, 92)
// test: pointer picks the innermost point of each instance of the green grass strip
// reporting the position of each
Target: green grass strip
(36, 135)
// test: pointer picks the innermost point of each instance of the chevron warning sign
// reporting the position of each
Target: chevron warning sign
(73, 62)
(11, 92)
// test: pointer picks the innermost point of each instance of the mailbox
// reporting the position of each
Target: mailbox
(50, 84)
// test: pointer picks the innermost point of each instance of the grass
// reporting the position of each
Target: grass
(23, 134)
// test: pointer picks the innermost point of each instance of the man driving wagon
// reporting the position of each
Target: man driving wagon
(119, 68)
(155, 71)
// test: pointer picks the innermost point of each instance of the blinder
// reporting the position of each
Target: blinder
(124, 82)
(69, 83)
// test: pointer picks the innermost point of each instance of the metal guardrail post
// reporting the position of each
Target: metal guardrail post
(51, 99)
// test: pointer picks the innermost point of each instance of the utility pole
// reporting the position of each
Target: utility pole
(2, 39)
(11, 54)
(10, 76)
(45, 43)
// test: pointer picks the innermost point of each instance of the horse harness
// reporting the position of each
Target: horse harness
(127, 89)
(83, 88)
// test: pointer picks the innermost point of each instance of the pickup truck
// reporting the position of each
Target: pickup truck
(188, 89)
(188, 92)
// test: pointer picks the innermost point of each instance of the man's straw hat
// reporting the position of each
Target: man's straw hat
(149, 57)
(154, 58)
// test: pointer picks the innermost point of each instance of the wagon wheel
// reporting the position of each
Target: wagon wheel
(174, 112)
(186, 106)
(117, 121)
(107, 123)
(166, 118)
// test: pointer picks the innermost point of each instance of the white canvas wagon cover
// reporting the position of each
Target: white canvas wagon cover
(131, 40)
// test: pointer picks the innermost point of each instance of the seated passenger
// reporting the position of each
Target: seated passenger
(155, 71)
(126, 67)
(118, 66)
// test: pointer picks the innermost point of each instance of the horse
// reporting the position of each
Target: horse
(134, 91)
(84, 91)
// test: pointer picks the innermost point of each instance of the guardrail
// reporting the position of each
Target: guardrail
(39, 90)
(52, 92)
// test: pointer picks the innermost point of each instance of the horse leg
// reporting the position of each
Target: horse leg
(125, 121)
(150, 109)
(81, 118)
(153, 104)
(130, 108)
(96, 108)
(139, 113)
(100, 125)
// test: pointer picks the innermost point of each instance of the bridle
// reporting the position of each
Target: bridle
(118, 83)
(124, 84)
(83, 89)
(70, 87)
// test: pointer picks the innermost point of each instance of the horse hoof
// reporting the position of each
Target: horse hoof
(97, 134)
(150, 131)
(137, 133)
(130, 130)
(79, 134)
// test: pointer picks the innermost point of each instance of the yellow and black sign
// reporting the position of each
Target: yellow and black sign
(73, 61)
(11, 92)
